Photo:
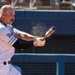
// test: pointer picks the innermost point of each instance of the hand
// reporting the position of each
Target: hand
(39, 41)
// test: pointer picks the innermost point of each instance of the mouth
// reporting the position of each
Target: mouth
(11, 20)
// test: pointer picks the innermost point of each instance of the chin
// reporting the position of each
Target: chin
(11, 22)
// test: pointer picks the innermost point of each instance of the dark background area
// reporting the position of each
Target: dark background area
(62, 41)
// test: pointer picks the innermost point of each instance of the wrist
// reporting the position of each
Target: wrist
(34, 38)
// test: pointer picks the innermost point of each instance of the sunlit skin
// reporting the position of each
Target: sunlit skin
(7, 16)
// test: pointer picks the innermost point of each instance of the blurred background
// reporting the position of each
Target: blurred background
(41, 4)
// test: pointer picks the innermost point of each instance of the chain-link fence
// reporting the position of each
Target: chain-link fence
(38, 22)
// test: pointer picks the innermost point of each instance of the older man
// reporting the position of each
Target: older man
(9, 40)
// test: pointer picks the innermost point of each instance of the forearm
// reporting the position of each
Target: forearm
(37, 41)
(25, 36)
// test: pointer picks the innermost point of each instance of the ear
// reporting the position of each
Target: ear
(2, 15)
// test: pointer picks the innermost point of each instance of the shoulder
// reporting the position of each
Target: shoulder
(1, 26)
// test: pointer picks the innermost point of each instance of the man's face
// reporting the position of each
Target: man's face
(8, 16)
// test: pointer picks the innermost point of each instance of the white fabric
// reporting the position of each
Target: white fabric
(7, 34)
(8, 70)
(6, 49)
(7, 39)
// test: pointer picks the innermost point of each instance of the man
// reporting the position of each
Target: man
(9, 40)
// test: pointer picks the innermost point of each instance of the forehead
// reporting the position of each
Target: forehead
(10, 11)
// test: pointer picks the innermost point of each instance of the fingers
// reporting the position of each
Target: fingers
(39, 42)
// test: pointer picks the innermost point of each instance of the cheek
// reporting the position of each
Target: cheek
(7, 17)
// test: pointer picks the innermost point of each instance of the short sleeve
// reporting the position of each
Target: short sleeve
(6, 36)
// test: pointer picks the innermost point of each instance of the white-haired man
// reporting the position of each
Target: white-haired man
(9, 40)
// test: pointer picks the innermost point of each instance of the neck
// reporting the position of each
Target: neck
(3, 23)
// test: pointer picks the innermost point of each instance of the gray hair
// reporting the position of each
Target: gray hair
(4, 8)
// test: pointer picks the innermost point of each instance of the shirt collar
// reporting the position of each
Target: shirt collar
(3, 23)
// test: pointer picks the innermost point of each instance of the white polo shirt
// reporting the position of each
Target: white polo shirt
(7, 39)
